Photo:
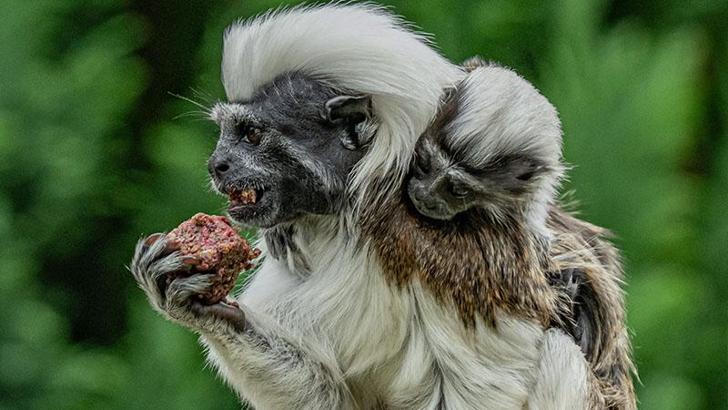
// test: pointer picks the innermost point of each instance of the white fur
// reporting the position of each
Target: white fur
(486, 368)
(386, 346)
(562, 375)
(500, 113)
(357, 48)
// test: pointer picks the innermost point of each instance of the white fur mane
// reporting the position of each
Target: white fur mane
(500, 112)
(355, 48)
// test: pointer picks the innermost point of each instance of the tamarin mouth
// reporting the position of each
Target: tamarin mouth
(248, 196)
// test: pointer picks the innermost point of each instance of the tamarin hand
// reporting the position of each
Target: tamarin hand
(173, 286)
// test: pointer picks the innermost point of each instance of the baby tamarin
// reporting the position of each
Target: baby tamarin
(478, 225)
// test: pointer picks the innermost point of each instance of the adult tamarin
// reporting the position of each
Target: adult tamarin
(479, 226)
(324, 106)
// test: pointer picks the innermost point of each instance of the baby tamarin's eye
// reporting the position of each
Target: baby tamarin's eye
(422, 165)
(458, 190)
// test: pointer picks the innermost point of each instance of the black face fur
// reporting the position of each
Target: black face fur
(443, 184)
(294, 143)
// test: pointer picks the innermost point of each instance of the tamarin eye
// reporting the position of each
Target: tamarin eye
(253, 136)
(248, 132)
(458, 190)
(526, 176)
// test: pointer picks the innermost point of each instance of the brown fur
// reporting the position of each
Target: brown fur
(580, 245)
(482, 267)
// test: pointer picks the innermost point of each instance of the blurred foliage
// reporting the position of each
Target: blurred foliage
(95, 150)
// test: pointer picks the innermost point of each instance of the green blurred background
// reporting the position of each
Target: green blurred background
(95, 151)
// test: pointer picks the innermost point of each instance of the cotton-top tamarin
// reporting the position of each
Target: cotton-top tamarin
(324, 106)
(479, 225)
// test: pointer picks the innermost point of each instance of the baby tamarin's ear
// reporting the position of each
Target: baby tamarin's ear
(511, 175)
(518, 167)
(475, 62)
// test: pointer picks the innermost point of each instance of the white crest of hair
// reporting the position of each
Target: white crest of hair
(502, 113)
(357, 48)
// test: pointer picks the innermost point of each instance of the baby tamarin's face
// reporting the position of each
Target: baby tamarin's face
(442, 184)
(494, 145)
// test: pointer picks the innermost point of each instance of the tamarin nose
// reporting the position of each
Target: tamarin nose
(419, 194)
(432, 206)
(222, 167)
(218, 167)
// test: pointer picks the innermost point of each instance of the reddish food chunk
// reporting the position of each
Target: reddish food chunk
(216, 248)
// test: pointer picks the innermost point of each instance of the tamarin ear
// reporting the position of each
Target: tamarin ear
(349, 108)
(523, 168)
(514, 173)
(526, 169)
(473, 63)
(352, 112)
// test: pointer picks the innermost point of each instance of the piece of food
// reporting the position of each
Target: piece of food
(215, 247)
(247, 196)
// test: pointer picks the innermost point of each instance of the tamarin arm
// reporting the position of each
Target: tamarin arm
(269, 365)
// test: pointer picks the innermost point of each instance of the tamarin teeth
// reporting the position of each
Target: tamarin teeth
(247, 196)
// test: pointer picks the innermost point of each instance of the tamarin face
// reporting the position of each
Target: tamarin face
(442, 185)
(287, 151)
(495, 144)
